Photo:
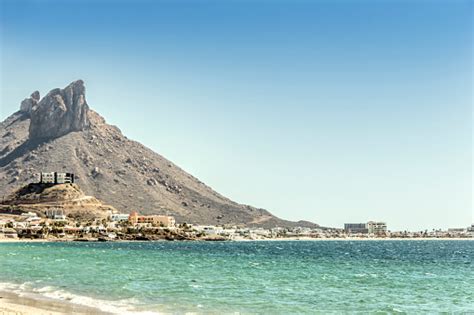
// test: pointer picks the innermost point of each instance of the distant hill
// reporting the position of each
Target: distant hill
(60, 133)
(64, 198)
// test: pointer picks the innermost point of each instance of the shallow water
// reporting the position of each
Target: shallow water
(247, 277)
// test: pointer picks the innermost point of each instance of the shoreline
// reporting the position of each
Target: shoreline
(24, 240)
(22, 304)
(349, 239)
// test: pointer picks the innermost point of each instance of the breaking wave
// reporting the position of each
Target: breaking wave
(51, 293)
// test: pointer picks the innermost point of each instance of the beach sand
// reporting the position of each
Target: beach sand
(13, 304)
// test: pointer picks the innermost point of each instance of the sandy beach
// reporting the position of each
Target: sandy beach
(13, 304)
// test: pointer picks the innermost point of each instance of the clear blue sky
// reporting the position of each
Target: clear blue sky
(330, 111)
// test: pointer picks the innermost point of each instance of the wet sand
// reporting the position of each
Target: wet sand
(13, 304)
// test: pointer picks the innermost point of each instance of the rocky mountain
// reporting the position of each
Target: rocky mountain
(60, 133)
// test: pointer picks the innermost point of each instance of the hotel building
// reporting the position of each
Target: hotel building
(164, 220)
(377, 227)
(370, 227)
(356, 228)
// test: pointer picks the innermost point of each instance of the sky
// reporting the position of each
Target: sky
(328, 111)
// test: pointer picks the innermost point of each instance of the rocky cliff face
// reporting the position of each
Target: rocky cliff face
(61, 133)
(58, 113)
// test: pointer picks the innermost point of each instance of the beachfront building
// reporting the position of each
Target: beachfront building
(30, 216)
(371, 227)
(457, 230)
(356, 228)
(55, 214)
(3, 225)
(470, 230)
(377, 228)
(60, 217)
(209, 229)
(9, 233)
(32, 220)
(159, 220)
(117, 217)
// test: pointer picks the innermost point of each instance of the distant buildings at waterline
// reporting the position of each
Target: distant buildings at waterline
(121, 226)
(356, 228)
(55, 214)
(157, 220)
(377, 228)
(119, 217)
(371, 227)
(135, 219)
(60, 223)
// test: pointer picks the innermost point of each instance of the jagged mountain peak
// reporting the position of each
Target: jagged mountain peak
(59, 112)
(30, 103)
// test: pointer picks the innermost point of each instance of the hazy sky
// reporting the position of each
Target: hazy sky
(330, 111)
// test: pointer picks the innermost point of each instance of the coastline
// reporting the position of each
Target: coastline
(16, 304)
(24, 240)
(349, 239)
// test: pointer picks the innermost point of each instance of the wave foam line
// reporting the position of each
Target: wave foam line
(26, 289)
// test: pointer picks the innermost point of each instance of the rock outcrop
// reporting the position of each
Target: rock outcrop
(29, 104)
(68, 198)
(59, 112)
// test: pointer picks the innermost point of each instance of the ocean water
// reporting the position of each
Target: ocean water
(287, 277)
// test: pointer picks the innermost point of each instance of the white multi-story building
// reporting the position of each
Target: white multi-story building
(47, 178)
(56, 214)
(356, 228)
(209, 229)
(376, 227)
(60, 217)
(64, 178)
(55, 178)
(3, 224)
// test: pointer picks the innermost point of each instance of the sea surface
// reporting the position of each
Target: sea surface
(264, 277)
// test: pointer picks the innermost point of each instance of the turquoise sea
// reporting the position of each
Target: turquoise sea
(266, 277)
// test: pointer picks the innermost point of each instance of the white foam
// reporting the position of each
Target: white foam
(26, 289)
